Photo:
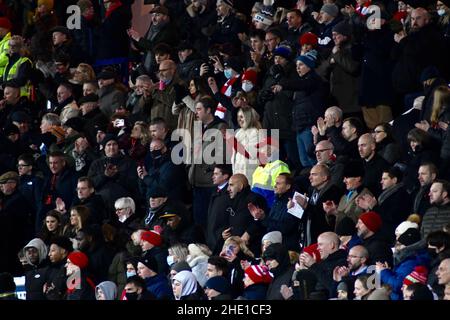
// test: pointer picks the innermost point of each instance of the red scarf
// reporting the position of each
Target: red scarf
(113, 7)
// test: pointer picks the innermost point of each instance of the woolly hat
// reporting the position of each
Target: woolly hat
(346, 227)
(10, 175)
(47, 3)
(20, 117)
(106, 74)
(258, 274)
(273, 237)
(353, 169)
(264, 17)
(405, 225)
(371, 220)
(283, 51)
(75, 123)
(180, 266)
(429, 72)
(309, 59)
(234, 63)
(79, 259)
(343, 28)
(152, 237)
(11, 129)
(419, 274)
(331, 9)
(409, 237)
(108, 137)
(62, 30)
(313, 251)
(150, 262)
(5, 23)
(63, 242)
(342, 286)
(161, 10)
(308, 38)
(219, 283)
(250, 75)
(92, 97)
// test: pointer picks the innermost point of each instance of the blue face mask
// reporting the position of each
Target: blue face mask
(130, 274)
(170, 260)
(227, 73)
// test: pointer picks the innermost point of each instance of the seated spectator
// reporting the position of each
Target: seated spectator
(106, 290)
(184, 286)
(218, 288)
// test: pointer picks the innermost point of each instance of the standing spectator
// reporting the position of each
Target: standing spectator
(35, 253)
(437, 216)
(155, 281)
(77, 262)
(386, 145)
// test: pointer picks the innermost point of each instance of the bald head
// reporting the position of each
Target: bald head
(236, 184)
(419, 19)
(443, 272)
(157, 144)
(328, 243)
(333, 116)
(366, 146)
(324, 150)
(357, 257)
(167, 69)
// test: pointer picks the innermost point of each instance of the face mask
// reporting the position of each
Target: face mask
(170, 260)
(122, 218)
(131, 295)
(156, 154)
(131, 273)
(441, 12)
(247, 86)
(227, 73)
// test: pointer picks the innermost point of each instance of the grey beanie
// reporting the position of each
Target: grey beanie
(273, 237)
(331, 9)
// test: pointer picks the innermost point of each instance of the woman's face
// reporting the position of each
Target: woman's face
(360, 291)
(136, 132)
(51, 223)
(379, 134)
(74, 218)
(176, 288)
(413, 144)
(192, 87)
(241, 119)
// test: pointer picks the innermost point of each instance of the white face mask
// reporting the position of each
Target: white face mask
(123, 218)
(247, 86)
(170, 260)
(441, 12)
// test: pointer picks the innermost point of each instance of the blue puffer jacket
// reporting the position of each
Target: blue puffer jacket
(395, 277)
(159, 287)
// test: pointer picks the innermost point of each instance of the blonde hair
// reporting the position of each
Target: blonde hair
(440, 97)
(251, 118)
(87, 73)
(240, 243)
(145, 137)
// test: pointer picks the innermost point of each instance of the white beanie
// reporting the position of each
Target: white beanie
(405, 225)
(273, 237)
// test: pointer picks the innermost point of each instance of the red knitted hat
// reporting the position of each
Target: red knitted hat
(5, 23)
(79, 259)
(371, 220)
(308, 38)
(250, 75)
(419, 275)
(153, 237)
(313, 251)
(258, 274)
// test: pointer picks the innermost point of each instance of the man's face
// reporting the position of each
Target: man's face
(212, 271)
(11, 95)
(160, 57)
(158, 18)
(183, 54)
(88, 88)
(281, 187)
(234, 187)
(33, 255)
(347, 131)
(58, 38)
(436, 194)
(143, 271)
(131, 288)
(354, 260)
(338, 38)
(173, 222)
(352, 183)
(139, 87)
(443, 272)
(62, 94)
(24, 168)
(56, 254)
(419, 19)
(61, 67)
(158, 131)
(425, 176)
(323, 153)
(325, 247)
(83, 190)
(201, 113)
(87, 107)
(14, 47)
(24, 127)
(387, 181)
(218, 178)
(293, 20)
(156, 202)
(56, 164)
(166, 71)
(71, 268)
(316, 177)
(222, 9)
(271, 41)
(111, 149)
(361, 229)
(365, 147)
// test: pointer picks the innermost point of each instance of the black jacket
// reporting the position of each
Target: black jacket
(217, 219)
(379, 249)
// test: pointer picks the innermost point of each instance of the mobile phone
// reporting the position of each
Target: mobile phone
(120, 122)
(230, 250)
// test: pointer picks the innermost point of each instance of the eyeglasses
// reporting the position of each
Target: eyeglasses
(120, 209)
(317, 151)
